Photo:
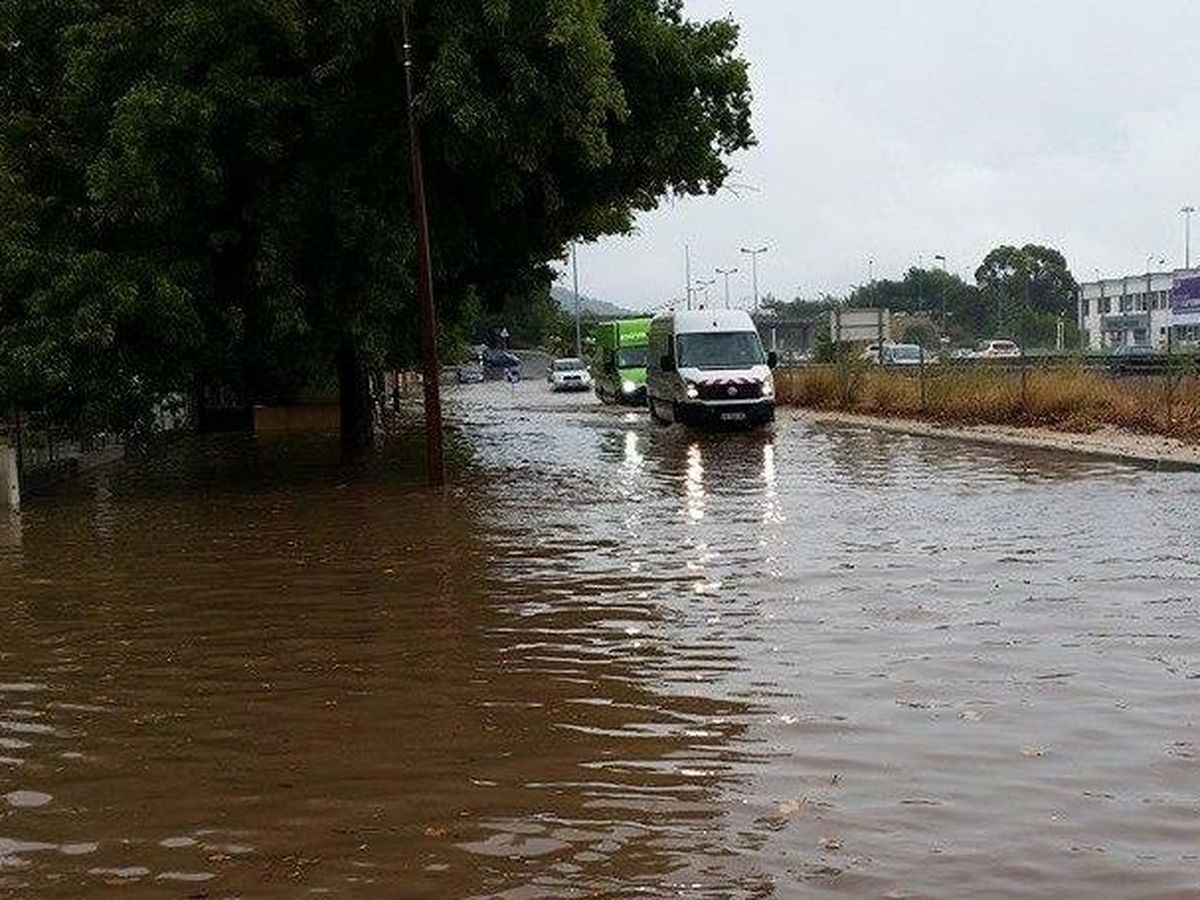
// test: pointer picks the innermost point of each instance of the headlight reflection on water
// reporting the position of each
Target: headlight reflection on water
(634, 458)
(695, 483)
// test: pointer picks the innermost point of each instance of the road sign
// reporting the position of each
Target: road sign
(865, 326)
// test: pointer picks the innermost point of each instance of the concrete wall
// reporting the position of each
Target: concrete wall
(315, 418)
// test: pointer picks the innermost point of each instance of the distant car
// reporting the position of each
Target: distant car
(871, 354)
(500, 360)
(1131, 358)
(905, 355)
(998, 350)
(569, 375)
(471, 373)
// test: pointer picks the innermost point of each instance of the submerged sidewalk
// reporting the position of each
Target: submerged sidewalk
(1109, 443)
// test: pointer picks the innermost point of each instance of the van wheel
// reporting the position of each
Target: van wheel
(655, 415)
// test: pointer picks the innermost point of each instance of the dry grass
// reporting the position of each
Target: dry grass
(1061, 398)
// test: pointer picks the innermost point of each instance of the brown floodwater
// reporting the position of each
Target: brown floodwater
(615, 660)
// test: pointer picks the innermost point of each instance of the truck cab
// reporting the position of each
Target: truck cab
(709, 369)
(619, 366)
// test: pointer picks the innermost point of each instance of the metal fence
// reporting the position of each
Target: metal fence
(41, 444)
(1077, 394)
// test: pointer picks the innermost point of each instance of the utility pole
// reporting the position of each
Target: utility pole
(1187, 212)
(434, 438)
(942, 259)
(578, 329)
(687, 256)
(754, 253)
(727, 273)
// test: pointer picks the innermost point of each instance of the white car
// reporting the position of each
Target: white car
(998, 350)
(569, 375)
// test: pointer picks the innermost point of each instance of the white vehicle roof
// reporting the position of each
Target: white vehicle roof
(711, 321)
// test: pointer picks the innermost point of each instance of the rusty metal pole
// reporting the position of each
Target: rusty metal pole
(434, 437)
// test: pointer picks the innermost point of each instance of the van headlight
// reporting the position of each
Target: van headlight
(628, 387)
(768, 389)
(693, 392)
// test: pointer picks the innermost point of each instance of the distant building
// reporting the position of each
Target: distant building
(1154, 308)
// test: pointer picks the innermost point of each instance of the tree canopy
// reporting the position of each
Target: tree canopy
(197, 191)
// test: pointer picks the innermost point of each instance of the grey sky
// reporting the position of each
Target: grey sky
(897, 130)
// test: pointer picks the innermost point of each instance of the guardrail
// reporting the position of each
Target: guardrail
(1160, 364)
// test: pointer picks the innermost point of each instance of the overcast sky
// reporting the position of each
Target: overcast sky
(902, 129)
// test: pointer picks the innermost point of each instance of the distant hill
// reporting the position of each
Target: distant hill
(590, 306)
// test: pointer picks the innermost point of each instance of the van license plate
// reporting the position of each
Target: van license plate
(733, 417)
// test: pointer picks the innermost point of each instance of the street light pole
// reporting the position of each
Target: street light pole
(578, 327)
(727, 273)
(942, 259)
(434, 437)
(704, 284)
(754, 253)
(1187, 235)
(687, 256)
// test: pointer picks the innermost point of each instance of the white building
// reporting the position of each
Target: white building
(1159, 308)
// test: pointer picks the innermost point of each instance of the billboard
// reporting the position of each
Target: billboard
(1185, 298)
(865, 326)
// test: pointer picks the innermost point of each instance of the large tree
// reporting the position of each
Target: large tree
(1030, 288)
(199, 191)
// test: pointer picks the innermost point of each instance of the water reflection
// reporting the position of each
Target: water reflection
(11, 529)
(695, 483)
(634, 459)
(261, 675)
(441, 715)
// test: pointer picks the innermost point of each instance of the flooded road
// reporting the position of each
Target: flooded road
(617, 661)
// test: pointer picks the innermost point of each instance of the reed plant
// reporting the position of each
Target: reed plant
(1060, 397)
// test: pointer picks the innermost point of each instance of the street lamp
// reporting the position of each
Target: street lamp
(942, 259)
(754, 253)
(1187, 235)
(704, 284)
(578, 328)
(726, 273)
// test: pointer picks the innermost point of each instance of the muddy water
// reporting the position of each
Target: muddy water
(616, 661)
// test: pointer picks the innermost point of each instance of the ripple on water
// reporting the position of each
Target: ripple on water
(26, 799)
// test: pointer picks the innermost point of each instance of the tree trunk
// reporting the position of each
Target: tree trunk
(354, 397)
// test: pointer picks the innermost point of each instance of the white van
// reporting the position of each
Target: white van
(709, 368)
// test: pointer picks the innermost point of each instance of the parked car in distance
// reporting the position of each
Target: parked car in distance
(905, 355)
(998, 350)
(470, 373)
(1131, 357)
(871, 354)
(569, 375)
(500, 360)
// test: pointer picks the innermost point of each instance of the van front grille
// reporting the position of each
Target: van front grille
(730, 390)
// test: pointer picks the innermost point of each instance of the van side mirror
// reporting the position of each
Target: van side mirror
(773, 360)
(667, 364)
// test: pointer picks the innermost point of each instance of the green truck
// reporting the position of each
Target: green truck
(619, 366)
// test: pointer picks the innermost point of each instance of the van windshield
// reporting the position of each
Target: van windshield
(632, 357)
(720, 350)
